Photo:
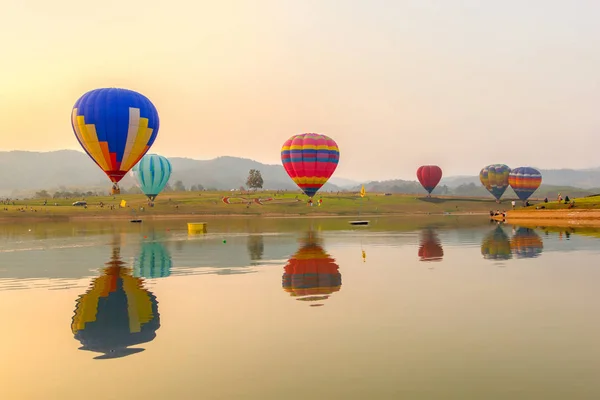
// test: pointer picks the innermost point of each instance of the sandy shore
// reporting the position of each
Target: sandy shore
(554, 217)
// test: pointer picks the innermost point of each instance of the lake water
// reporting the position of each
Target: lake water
(422, 308)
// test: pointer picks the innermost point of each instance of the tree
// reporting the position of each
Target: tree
(179, 187)
(43, 194)
(256, 247)
(255, 180)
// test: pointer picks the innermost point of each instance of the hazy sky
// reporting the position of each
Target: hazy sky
(396, 83)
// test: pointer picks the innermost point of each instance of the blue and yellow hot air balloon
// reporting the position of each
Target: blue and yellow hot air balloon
(152, 174)
(494, 178)
(115, 127)
(115, 313)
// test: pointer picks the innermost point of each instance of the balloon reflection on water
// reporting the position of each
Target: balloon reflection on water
(115, 313)
(430, 248)
(311, 274)
(525, 243)
(154, 261)
(496, 245)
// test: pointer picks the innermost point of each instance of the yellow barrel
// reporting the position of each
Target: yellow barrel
(196, 227)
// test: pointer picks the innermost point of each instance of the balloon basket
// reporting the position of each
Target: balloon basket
(196, 227)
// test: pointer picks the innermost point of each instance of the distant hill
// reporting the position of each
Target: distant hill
(22, 173)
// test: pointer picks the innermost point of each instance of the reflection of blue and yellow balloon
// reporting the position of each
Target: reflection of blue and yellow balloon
(496, 245)
(311, 274)
(115, 127)
(115, 313)
(154, 261)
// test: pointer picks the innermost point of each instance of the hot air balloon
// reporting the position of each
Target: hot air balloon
(311, 274)
(152, 174)
(430, 248)
(524, 181)
(525, 243)
(496, 245)
(310, 159)
(115, 313)
(429, 176)
(494, 178)
(154, 261)
(115, 127)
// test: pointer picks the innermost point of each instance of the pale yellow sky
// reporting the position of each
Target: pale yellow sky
(396, 83)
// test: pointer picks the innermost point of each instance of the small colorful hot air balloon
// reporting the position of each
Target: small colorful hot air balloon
(524, 181)
(494, 178)
(430, 248)
(152, 174)
(429, 176)
(496, 245)
(310, 159)
(526, 243)
(154, 261)
(311, 274)
(115, 313)
(115, 127)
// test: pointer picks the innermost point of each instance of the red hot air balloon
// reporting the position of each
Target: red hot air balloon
(429, 176)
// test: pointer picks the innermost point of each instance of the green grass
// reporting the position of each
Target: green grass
(210, 203)
(581, 203)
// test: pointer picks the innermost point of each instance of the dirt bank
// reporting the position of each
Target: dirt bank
(554, 217)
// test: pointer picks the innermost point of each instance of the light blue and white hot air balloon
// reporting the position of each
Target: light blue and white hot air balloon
(152, 174)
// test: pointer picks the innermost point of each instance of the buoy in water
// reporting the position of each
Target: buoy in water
(196, 227)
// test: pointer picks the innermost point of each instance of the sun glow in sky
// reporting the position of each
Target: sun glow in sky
(396, 83)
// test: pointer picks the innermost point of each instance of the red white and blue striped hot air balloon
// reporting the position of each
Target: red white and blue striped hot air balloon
(524, 181)
(310, 159)
(429, 176)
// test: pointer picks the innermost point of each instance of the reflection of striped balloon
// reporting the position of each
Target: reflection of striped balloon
(152, 174)
(115, 127)
(116, 312)
(525, 181)
(525, 243)
(495, 179)
(310, 159)
(496, 245)
(154, 261)
(430, 248)
(311, 272)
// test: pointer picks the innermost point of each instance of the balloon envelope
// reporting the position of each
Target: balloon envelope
(524, 181)
(494, 178)
(310, 159)
(152, 174)
(429, 176)
(154, 261)
(115, 127)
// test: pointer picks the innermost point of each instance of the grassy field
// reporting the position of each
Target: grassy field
(171, 204)
(588, 203)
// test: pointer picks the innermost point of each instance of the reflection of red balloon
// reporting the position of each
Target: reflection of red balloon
(430, 248)
(429, 176)
(311, 274)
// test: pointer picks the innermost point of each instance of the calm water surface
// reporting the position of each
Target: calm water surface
(427, 308)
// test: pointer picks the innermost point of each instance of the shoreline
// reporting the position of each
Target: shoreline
(196, 217)
(562, 218)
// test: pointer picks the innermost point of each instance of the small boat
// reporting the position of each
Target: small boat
(359, 222)
(136, 220)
